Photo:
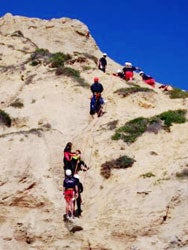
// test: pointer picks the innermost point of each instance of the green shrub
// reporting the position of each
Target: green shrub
(136, 127)
(173, 116)
(131, 130)
(58, 59)
(121, 162)
(5, 118)
(177, 93)
(127, 91)
(147, 175)
(75, 74)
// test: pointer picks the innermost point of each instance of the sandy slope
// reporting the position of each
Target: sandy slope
(124, 212)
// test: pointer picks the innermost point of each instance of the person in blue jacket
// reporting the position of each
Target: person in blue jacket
(96, 87)
(96, 104)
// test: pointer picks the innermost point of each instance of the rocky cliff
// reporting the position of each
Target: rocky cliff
(141, 207)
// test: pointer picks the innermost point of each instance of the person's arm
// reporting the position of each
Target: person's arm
(102, 88)
(81, 189)
(76, 190)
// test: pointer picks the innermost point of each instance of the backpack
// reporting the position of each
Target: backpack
(69, 182)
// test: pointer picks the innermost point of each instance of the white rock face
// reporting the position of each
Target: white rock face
(125, 211)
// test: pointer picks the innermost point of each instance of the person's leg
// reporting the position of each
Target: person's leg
(128, 75)
(79, 202)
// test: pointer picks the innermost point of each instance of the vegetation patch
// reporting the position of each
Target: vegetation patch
(40, 55)
(75, 74)
(17, 103)
(131, 130)
(147, 175)
(54, 59)
(128, 91)
(5, 119)
(177, 93)
(182, 174)
(58, 59)
(136, 127)
(85, 68)
(121, 162)
(173, 116)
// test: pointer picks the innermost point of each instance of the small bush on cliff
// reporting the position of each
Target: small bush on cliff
(17, 104)
(136, 127)
(173, 116)
(5, 119)
(40, 53)
(177, 93)
(121, 162)
(147, 175)
(131, 130)
(58, 59)
(70, 72)
(128, 91)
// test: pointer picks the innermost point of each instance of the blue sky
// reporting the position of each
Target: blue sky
(152, 34)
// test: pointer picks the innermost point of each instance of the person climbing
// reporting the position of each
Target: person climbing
(119, 73)
(147, 79)
(68, 156)
(78, 209)
(77, 163)
(128, 70)
(102, 63)
(96, 87)
(70, 191)
(96, 105)
(166, 87)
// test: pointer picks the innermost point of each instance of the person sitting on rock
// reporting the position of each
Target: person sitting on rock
(166, 87)
(77, 163)
(128, 71)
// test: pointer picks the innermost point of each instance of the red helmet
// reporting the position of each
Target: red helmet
(96, 79)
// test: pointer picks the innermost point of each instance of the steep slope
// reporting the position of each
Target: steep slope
(125, 211)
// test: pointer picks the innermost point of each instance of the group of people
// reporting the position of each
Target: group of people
(73, 163)
(127, 73)
(72, 186)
